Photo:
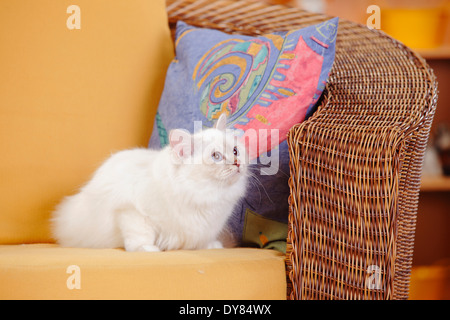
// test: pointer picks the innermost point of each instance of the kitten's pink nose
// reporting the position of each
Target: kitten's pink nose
(236, 163)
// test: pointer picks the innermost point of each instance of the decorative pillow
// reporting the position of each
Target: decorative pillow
(265, 85)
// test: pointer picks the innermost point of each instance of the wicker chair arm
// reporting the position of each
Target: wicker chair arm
(377, 87)
(343, 210)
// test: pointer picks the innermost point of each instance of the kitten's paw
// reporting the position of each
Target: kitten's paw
(215, 245)
(149, 248)
(141, 248)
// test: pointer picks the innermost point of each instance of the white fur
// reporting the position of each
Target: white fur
(148, 200)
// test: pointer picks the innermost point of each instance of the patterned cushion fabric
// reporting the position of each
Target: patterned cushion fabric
(265, 85)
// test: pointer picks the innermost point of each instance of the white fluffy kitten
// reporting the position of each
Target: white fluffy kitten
(146, 200)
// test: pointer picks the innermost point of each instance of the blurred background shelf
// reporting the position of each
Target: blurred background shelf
(437, 53)
(430, 282)
(435, 183)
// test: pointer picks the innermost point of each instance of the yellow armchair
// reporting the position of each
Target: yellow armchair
(71, 93)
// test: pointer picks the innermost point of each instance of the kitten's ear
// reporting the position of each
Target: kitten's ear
(181, 143)
(221, 124)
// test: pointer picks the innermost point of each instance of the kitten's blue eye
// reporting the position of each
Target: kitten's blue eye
(217, 156)
(235, 151)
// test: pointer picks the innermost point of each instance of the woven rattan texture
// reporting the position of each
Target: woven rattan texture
(355, 165)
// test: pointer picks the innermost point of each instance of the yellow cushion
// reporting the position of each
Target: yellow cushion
(43, 271)
(70, 97)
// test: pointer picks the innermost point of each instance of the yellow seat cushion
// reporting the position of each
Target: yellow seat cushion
(70, 97)
(46, 271)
